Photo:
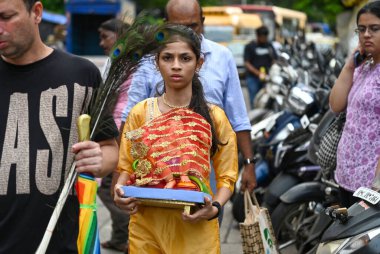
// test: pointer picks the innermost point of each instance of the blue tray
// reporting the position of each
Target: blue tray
(172, 198)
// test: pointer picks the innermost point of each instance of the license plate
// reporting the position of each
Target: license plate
(368, 195)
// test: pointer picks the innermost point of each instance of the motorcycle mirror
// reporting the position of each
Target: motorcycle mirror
(309, 54)
(285, 56)
(332, 63)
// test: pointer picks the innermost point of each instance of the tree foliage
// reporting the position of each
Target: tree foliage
(161, 3)
(317, 11)
(156, 6)
(57, 6)
(321, 10)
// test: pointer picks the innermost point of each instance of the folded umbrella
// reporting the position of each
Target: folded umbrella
(88, 237)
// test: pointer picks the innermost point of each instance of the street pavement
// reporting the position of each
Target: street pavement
(229, 232)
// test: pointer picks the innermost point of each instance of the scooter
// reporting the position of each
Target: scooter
(299, 218)
(281, 143)
(356, 229)
(265, 135)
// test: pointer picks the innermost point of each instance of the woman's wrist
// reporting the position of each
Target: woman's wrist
(218, 207)
(349, 67)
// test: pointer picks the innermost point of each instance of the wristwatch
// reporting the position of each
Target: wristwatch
(249, 161)
(217, 205)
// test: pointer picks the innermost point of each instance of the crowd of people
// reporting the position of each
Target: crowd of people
(190, 85)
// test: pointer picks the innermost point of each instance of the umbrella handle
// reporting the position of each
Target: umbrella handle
(83, 128)
(83, 124)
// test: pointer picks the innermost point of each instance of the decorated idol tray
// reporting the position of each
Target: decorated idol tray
(169, 198)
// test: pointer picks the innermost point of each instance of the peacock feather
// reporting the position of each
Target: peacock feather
(133, 46)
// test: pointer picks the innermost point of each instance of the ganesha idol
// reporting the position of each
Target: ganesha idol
(172, 151)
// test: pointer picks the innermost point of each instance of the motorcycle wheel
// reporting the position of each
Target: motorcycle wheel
(293, 222)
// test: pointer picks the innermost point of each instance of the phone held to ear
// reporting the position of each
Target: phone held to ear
(359, 58)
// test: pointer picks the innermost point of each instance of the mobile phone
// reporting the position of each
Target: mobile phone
(359, 58)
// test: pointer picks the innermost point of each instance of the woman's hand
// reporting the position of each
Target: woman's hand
(339, 92)
(350, 61)
(206, 212)
(129, 205)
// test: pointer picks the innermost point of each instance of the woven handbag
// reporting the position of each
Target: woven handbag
(256, 230)
(326, 155)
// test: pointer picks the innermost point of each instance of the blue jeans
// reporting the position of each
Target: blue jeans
(254, 85)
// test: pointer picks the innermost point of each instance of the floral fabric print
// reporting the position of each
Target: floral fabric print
(359, 147)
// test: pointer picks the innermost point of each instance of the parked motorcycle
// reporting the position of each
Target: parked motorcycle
(292, 167)
(282, 160)
(265, 135)
(281, 143)
(281, 77)
(299, 220)
(356, 230)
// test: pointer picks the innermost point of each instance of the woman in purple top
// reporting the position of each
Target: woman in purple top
(357, 91)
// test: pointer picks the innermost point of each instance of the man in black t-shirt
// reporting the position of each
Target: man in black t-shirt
(43, 91)
(258, 58)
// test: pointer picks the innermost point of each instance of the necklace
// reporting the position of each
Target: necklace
(172, 106)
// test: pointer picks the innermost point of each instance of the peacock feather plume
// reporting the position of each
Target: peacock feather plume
(133, 46)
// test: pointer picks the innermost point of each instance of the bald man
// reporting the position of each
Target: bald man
(219, 78)
(187, 13)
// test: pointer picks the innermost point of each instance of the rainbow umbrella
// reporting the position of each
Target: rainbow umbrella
(88, 237)
(86, 187)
